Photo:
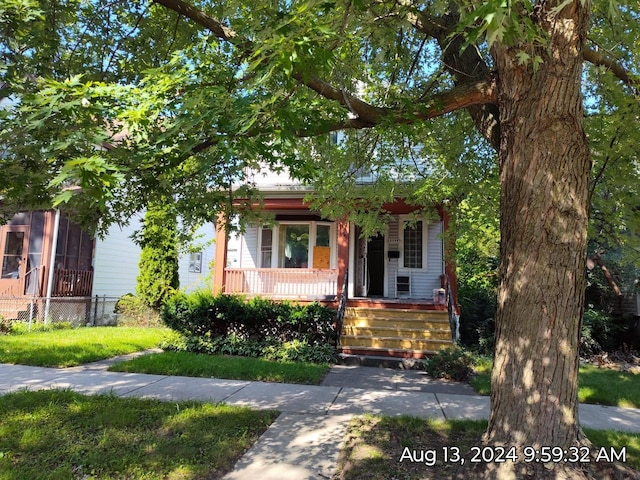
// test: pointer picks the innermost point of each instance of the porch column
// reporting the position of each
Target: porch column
(343, 252)
(449, 242)
(220, 261)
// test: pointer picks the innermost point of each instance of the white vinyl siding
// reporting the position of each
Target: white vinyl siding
(192, 280)
(422, 280)
(115, 263)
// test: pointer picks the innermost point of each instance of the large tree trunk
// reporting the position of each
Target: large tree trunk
(545, 165)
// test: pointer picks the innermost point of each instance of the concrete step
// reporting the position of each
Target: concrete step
(386, 352)
(407, 323)
(394, 343)
(396, 314)
(398, 331)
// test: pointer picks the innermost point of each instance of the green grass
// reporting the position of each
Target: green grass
(65, 435)
(375, 445)
(595, 385)
(237, 368)
(71, 347)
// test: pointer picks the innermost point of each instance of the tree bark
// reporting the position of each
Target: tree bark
(545, 166)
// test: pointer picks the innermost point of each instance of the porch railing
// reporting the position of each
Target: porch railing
(454, 318)
(72, 283)
(294, 283)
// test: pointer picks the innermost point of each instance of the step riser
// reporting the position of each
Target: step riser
(402, 324)
(389, 314)
(429, 334)
(393, 344)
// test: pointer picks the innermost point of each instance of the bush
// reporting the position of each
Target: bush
(258, 319)
(5, 325)
(133, 312)
(20, 328)
(600, 332)
(189, 313)
(270, 348)
(158, 276)
(452, 363)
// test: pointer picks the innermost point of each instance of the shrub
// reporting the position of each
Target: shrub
(158, 277)
(189, 313)
(452, 363)
(19, 328)
(599, 332)
(201, 314)
(270, 348)
(133, 312)
(300, 351)
(5, 325)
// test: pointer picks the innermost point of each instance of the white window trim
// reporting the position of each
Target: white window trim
(313, 230)
(425, 244)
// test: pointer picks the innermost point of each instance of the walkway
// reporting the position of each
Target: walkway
(305, 440)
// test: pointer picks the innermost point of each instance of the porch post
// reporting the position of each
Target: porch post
(343, 252)
(52, 264)
(449, 241)
(220, 261)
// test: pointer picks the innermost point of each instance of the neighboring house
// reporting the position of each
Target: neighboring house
(82, 277)
(396, 284)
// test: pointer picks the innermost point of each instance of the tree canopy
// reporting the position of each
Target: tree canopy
(127, 98)
(107, 105)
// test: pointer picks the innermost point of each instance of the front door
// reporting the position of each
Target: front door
(375, 262)
(13, 248)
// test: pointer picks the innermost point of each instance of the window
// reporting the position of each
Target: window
(294, 246)
(413, 245)
(266, 247)
(195, 262)
(297, 244)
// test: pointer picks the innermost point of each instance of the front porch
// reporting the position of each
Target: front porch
(283, 283)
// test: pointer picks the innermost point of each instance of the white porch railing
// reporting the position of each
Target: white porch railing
(294, 283)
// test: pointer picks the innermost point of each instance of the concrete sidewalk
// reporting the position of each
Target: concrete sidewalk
(305, 440)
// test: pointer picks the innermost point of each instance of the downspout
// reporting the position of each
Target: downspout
(52, 264)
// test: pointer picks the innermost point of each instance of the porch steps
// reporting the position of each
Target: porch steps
(394, 332)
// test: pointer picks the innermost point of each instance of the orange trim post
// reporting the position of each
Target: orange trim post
(343, 252)
(220, 261)
(449, 253)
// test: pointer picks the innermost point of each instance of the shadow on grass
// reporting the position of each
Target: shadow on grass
(379, 448)
(598, 386)
(62, 434)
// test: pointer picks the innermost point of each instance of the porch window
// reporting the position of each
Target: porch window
(294, 246)
(297, 245)
(266, 247)
(413, 245)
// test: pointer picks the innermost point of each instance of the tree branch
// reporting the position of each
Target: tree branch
(212, 24)
(478, 88)
(597, 58)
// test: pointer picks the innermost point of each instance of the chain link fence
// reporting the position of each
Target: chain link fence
(78, 311)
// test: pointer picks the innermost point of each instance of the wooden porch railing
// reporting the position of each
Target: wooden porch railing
(294, 283)
(72, 283)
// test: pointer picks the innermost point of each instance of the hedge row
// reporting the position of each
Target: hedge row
(204, 315)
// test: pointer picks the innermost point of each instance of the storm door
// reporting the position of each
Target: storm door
(13, 246)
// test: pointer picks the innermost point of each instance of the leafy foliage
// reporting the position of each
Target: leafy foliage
(158, 277)
(270, 348)
(133, 312)
(200, 314)
(452, 363)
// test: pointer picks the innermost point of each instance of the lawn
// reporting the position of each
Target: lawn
(62, 434)
(237, 368)
(595, 385)
(380, 448)
(71, 347)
